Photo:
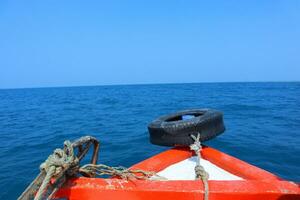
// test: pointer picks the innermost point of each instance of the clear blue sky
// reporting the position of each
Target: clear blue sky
(67, 43)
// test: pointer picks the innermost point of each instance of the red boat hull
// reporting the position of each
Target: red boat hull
(257, 183)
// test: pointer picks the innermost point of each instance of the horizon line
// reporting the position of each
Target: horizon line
(133, 84)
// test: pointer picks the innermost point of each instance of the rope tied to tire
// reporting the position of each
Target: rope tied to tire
(63, 163)
(199, 169)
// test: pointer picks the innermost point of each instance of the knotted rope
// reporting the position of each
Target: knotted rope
(122, 172)
(199, 170)
(56, 164)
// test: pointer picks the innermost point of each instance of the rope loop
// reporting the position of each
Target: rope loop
(60, 159)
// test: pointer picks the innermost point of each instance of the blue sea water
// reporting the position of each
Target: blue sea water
(262, 121)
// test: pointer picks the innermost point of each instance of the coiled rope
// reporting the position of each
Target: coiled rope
(199, 169)
(56, 164)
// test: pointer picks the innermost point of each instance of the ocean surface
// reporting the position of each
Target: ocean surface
(262, 121)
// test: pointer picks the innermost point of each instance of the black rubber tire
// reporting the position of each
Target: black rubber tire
(171, 130)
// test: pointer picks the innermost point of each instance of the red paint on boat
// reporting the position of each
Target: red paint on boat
(257, 184)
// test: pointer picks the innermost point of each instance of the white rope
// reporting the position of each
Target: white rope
(199, 169)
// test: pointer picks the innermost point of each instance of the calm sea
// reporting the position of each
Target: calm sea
(262, 121)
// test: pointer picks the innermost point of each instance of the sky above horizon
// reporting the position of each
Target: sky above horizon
(68, 43)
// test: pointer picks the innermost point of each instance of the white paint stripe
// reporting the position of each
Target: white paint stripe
(184, 170)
